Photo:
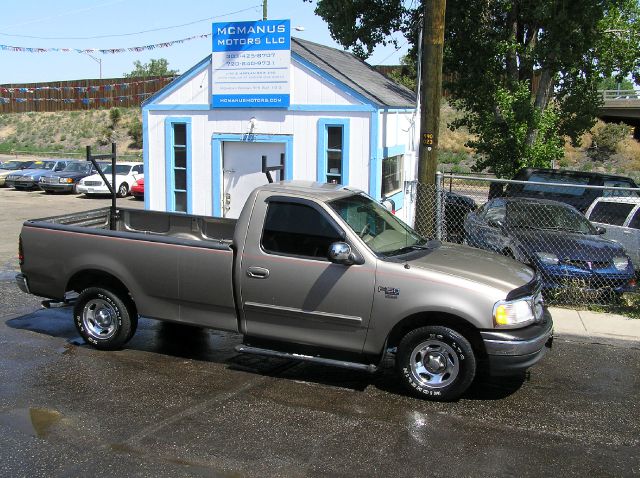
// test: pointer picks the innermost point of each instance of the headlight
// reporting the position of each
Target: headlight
(621, 262)
(547, 258)
(65, 180)
(515, 313)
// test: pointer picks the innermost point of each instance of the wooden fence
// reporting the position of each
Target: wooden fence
(79, 94)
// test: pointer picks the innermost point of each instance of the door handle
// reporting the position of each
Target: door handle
(258, 272)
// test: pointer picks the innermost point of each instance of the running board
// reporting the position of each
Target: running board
(245, 349)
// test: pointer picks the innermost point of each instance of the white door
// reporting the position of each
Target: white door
(242, 171)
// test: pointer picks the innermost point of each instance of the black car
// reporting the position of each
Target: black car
(580, 198)
(67, 179)
(555, 239)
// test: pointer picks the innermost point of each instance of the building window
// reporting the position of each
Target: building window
(178, 165)
(333, 151)
(392, 175)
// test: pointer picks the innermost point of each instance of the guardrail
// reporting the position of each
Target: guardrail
(611, 95)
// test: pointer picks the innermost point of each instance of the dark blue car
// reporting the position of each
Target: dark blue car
(555, 239)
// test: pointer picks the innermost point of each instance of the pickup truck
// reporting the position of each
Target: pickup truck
(320, 273)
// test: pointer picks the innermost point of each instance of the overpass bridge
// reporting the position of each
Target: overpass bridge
(621, 106)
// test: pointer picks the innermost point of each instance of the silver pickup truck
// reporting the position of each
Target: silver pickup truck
(312, 272)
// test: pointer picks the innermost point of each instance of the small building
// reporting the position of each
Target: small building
(345, 123)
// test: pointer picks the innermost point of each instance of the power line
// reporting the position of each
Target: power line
(392, 53)
(132, 33)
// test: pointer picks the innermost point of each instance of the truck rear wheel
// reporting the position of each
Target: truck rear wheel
(436, 363)
(104, 319)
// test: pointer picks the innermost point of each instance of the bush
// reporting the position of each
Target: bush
(135, 131)
(606, 140)
(115, 115)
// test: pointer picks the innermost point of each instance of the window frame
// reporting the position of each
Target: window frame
(323, 149)
(170, 167)
(340, 233)
(604, 205)
(401, 181)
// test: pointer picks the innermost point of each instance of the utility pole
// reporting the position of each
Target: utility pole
(430, 94)
(264, 9)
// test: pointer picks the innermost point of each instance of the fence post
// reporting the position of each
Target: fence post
(439, 194)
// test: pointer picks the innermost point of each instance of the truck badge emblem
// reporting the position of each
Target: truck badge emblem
(389, 292)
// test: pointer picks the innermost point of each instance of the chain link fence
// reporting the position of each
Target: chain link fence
(584, 240)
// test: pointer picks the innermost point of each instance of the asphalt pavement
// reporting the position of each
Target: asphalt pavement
(178, 401)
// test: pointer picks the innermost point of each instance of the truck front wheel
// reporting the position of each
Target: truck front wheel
(103, 319)
(436, 363)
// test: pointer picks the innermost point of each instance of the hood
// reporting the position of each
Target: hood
(475, 265)
(69, 174)
(31, 172)
(568, 245)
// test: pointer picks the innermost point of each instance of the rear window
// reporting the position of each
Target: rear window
(612, 213)
(618, 183)
(556, 186)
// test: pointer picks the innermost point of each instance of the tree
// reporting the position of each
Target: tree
(159, 67)
(524, 72)
(613, 83)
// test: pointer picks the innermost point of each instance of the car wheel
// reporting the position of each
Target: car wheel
(104, 318)
(123, 190)
(436, 363)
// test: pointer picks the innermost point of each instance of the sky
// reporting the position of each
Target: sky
(119, 23)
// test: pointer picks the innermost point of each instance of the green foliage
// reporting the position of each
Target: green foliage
(525, 73)
(613, 83)
(450, 157)
(606, 140)
(114, 115)
(135, 131)
(155, 67)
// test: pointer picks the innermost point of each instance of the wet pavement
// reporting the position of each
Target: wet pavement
(178, 401)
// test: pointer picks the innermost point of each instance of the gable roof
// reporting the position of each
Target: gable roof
(355, 73)
(341, 65)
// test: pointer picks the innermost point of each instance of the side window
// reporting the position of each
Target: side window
(138, 169)
(495, 213)
(612, 213)
(298, 230)
(333, 150)
(617, 183)
(60, 166)
(635, 221)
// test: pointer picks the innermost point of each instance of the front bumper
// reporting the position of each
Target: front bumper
(596, 280)
(82, 189)
(25, 184)
(515, 350)
(61, 187)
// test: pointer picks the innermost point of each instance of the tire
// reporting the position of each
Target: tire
(104, 318)
(451, 368)
(123, 190)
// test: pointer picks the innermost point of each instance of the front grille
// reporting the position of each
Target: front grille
(93, 183)
(48, 180)
(587, 265)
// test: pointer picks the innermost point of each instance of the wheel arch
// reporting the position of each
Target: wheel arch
(423, 319)
(98, 278)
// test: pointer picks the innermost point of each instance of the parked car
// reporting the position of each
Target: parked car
(580, 198)
(67, 180)
(555, 239)
(126, 175)
(29, 178)
(456, 208)
(13, 166)
(621, 218)
(137, 190)
(323, 274)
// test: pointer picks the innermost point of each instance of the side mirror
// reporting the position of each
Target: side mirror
(600, 230)
(340, 253)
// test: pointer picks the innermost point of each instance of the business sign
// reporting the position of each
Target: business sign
(250, 64)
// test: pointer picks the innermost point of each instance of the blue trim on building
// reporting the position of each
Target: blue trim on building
(375, 163)
(216, 160)
(180, 108)
(178, 82)
(323, 124)
(398, 199)
(390, 151)
(391, 109)
(328, 108)
(145, 157)
(169, 163)
(331, 80)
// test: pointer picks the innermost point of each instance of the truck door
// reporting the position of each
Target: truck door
(290, 291)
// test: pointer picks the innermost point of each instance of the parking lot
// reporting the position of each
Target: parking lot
(178, 401)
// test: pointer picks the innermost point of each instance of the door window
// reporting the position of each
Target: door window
(297, 230)
(612, 213)
(635, 222)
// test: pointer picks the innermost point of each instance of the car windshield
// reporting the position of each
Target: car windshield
(11, 165)
(120, 169)
(78, 168)
(383, 232)
(523, 215)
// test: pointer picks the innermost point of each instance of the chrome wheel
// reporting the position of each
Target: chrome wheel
(434, 364)
(100, 319)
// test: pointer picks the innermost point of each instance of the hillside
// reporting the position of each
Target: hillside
(69, 132)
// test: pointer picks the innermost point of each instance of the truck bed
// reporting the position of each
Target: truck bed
(153, 224)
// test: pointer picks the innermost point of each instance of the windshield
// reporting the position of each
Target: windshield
(78, 168)
(12, 165)
(547, 217)
(383, 232)
(120, 169)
